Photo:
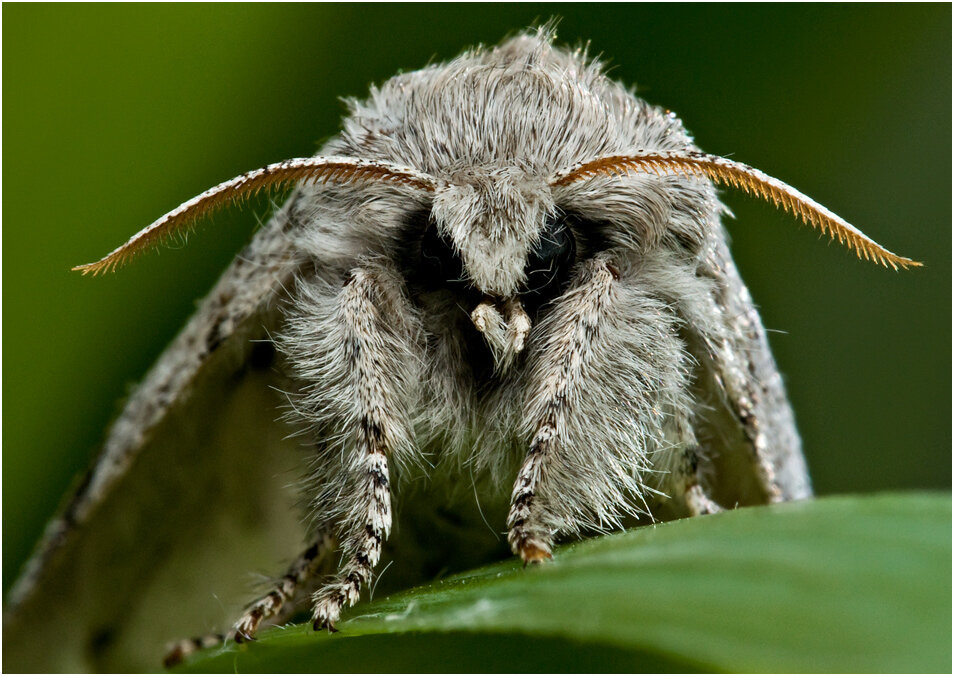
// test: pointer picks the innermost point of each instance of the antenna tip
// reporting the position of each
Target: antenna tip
(87, 268)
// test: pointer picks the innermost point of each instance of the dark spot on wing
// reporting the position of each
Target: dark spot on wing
(213, 339)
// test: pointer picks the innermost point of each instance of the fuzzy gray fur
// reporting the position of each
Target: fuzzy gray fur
(603, 396)
(645, 388)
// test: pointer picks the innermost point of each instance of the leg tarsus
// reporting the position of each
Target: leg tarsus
(282, 595)
(183, 649)
(260, 610)
(535, 553)
(328, 603)
(318, 625)
(243, 637)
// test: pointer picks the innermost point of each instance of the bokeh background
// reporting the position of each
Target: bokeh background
(114, 114)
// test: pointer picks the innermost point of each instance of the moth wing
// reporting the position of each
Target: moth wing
(190, 496)
(751, 449)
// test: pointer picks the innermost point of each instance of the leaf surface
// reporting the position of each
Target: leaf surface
(850, 584)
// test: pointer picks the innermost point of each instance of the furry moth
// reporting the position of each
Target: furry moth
(507, 267)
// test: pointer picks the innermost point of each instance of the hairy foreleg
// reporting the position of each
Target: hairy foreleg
(362, 374)
(607, 383)
(529, 534)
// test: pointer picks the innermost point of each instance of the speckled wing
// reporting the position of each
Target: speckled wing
(746, 429)
(189, 496)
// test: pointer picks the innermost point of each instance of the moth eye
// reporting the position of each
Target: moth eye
(441, 266)
(549, 263)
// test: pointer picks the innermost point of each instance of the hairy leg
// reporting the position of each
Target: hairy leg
(689, 487)
(278, 602)
(357, 351)
(608, 377)
(529, 536)
(281, 597)
(351, 346)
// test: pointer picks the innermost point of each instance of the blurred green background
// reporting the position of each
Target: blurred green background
(114, 114)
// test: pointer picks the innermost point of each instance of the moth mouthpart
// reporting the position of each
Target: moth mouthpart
(485, 315)
(505, 325)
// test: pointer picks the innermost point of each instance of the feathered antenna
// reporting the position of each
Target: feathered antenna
(752, 181)
(274, 176)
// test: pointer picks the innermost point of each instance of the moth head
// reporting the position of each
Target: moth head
(500, 226)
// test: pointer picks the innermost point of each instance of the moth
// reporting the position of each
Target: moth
(506, 277)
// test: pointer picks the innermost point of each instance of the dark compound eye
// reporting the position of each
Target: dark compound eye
(549, 263)
(441, 266)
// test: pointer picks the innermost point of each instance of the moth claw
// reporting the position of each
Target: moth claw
(173, 657)
(318, 625)
(243, 637)
(534, 553)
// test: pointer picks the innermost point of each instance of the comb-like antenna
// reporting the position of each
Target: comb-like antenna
(278, 175)
(738, 175)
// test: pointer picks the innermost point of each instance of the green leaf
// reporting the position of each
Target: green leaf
(842, 584)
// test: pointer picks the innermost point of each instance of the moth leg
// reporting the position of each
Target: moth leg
(183, 649)
(700, 503)
(276, 603)
(529, 535)
(281, 597)
(362, 548)
(369, 362)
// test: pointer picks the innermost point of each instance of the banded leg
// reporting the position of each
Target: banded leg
(372, 371)
(363, 548)
(529, 534)
(282, 596)
(183, 649)
(531, 540)
(267, 607)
